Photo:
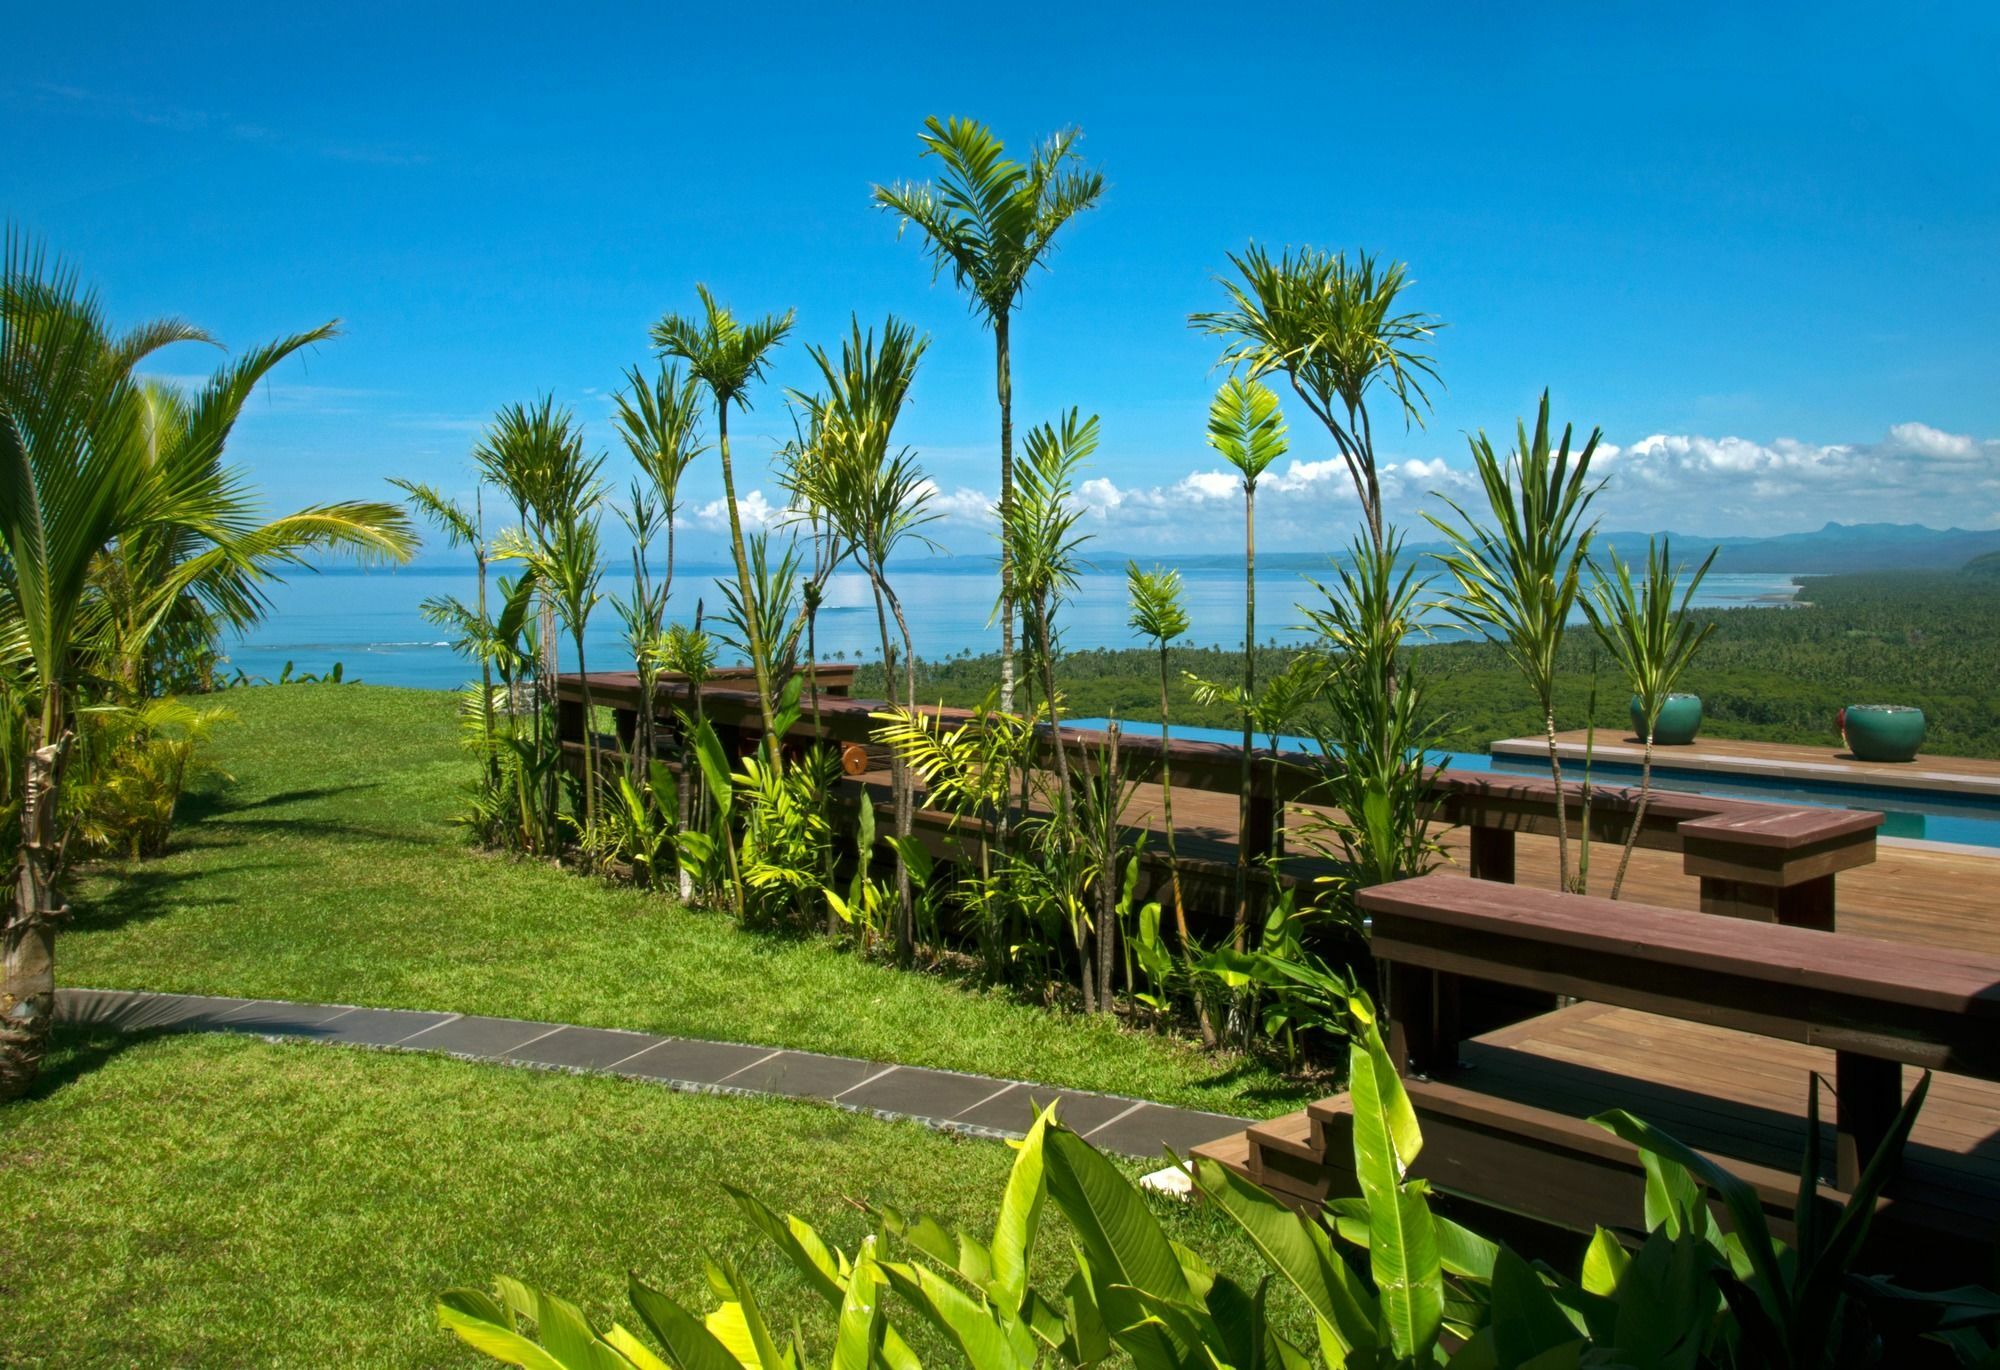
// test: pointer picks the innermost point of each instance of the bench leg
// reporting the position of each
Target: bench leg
(1423, 1024)
(1491, 855)
(1808, 904)
(1870, 1093)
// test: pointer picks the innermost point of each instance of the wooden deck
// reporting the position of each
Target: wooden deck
(1736, 1095)
(1831, 764)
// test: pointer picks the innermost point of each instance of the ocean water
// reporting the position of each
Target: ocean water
(372, 624)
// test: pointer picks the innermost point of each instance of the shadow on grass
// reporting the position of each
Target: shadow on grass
(75, 1052)
(195, 817)
(133, 894)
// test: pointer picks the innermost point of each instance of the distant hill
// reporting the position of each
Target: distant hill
(1836, 547)
(1987, 565)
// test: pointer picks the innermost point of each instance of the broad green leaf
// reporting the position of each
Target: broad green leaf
(1020, 1212)
(1527, 1320)
(494, 1339)
(972, 1325)
(1604, 1263)
(631, 1348)
(1402, 1241)
(687, 1341)
(861, 1322)
(1299, 1252)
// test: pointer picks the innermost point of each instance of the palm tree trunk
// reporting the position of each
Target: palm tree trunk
(589, 740)
(1039, 613)
(1562, 801)
(899, 780)
(753, 611)
(1004, 383)
(906, 797)
(28, 942)
(1638, 814)
(1107, 883)
(1173, 851)
(1249, 693)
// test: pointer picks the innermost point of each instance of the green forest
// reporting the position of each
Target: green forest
(1931, 639)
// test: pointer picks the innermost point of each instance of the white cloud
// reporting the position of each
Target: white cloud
(1920, 439)
(753, 509)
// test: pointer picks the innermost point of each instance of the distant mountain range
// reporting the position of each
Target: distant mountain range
(1834, 548)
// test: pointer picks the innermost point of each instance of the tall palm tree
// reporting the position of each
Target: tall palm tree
(103, 484)
(1158, 613)
(1246, 425)
(877, 498)
(1653, 640)
(990, 222)
(660, 423)
(726, 356)
(1336, 330)
(1518, 580)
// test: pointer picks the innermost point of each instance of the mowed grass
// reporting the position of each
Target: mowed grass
(327, 868)
(211, 1201)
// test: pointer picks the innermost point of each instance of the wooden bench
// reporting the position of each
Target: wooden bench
(1765, 862)
(1878, 1005)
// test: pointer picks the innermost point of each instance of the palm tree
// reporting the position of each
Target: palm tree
(1159, 614)
(726, 356)
(660, 423)
(464, 527)
(1039, 534)
(184, 581)
(566, 562)
(1518, 580)
(103, 484)
(1334, 328)
(1653, 641)
(876, 499)
(1247, 427)
(990, 222)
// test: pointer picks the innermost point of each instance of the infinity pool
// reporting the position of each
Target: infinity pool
(1929, 815)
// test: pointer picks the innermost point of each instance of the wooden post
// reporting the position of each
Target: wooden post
(569, 720)
(1807, 904)
(1423, 1020)
(1869, 1094)
(1492, 854)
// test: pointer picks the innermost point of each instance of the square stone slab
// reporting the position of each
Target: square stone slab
(917, 1093)
(685, 1061)
(474, 1036)
(136, 1011)
(374, 1027)
(1014, 1111)
(803, 1075)
(581, 1048)
(278, 1019)
(1154, 1128)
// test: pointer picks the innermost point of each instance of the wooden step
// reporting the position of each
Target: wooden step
(1333, 1126)
(1232, 1151)
(1291, 1135)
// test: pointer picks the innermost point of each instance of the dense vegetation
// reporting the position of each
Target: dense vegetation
(329, 869)
(1931, 639)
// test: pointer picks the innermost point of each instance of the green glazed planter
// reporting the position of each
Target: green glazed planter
(1883, 732)
(1680, 720)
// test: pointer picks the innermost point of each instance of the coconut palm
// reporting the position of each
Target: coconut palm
(726, 356)
(1653, 640)
(1336, 330)
(1518, 579)
(876, 499)
(1247, 426)
(990, 222)
(103, 484)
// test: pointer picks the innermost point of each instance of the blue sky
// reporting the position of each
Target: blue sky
(1754, 242)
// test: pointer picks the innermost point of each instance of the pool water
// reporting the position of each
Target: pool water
(1928, 815)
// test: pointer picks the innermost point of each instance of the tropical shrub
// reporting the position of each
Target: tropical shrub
(1380, 1279)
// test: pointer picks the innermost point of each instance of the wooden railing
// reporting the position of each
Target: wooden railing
(1765, 862)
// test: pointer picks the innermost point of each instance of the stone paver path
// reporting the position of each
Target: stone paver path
(938, 1098)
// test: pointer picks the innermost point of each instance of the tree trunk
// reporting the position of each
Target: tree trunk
(899, 780)
(28, 942)
(753, 611)
(589, 740)
(1562, 801)
(1638, 814)
(1173, 852)
(1249, 693)
(1004, 368)
(1107, 885)
(1039, 613)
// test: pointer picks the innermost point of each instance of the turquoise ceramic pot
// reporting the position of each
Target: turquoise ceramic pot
(1680, 720)
(1883, 732)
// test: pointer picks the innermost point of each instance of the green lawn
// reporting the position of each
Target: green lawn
(328, 869)
(211, 1201)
